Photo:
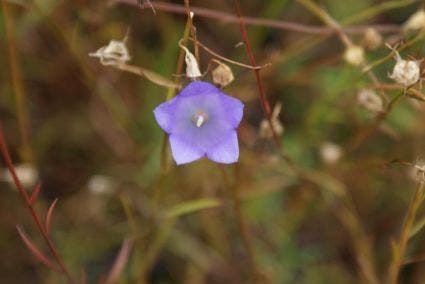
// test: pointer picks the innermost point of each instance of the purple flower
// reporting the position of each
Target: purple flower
(201, 121)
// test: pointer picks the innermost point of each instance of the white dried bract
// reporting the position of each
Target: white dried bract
(265, 130)
(370, 100)
(222, 75)
(192, 68)
(416, 21)
(354, 55)
(330, 153)
(405, 72)
(115, 53)
(26, 173)
(372, 39)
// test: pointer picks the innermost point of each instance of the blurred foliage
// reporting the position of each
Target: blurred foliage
(87, 120)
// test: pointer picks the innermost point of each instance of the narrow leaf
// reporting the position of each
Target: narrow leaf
(158, 79)
(120, 262)
(192, 206)
(35, 250)
(148, 74)
(34, 194)
(49, 216)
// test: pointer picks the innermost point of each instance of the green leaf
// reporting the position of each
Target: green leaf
(192, 206)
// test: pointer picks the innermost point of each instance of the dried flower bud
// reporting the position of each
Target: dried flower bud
(405, 72)
(26, 173)
(416, 21)
(114, 53)
(370, 100)
(100, 184)
(265, 130)
(192, 68)
(354, 55)
(330, 152)
(417, 171)
(222, 75)
(372, 39)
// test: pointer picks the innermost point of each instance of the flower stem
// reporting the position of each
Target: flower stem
(265, 105)
(40, 227)
(242, 223)
(399, 248)
(18, 86)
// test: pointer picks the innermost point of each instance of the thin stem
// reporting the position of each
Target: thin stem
(192, 29)
(263, 22)
(345, 39)
(42, 230)
(261, 93)
(242, 223)
(399, 249)
(368, 130)
(17, 84)
(215, 54)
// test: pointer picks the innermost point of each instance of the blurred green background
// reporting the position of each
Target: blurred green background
(88, 132)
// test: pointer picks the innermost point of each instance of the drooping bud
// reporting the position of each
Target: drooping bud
(372, 39)
(354, 55)
(416, 21)
(192, 68)
(222, 75)
(330, 152)
(370, 100)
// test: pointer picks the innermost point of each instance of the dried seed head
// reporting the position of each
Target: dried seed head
(222, 75)
(416, 21)
(405, 72)
(192, 68)
(265, 130)
(354, 55)
(370, 100)
(115, 53)
(330, 152)
(100, 184)
(372, 39)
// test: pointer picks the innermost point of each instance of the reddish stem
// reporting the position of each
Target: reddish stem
(262, 95)
(6, 156)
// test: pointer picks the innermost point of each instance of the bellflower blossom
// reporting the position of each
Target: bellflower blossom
(201, 121)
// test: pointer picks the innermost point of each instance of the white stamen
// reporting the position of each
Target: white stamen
(200, 120)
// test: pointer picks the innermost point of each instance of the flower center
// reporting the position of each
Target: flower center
(199, 118)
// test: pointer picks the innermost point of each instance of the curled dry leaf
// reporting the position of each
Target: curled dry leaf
(192, 67)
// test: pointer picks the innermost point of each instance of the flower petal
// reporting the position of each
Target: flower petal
(164, 114)
(233, 108)
(227, 151)
(199, 87)
(184, 152)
